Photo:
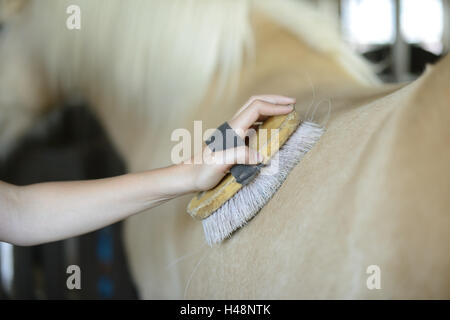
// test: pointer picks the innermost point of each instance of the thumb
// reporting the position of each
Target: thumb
(242, 155)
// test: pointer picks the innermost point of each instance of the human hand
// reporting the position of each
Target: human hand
(215, 165)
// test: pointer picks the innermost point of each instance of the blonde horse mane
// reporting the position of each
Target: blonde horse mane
(162, 56)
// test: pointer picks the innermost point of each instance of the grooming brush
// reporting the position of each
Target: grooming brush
(247, 188)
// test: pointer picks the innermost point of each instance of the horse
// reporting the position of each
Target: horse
(371, 195)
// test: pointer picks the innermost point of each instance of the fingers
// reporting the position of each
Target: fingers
(242, 155)
(270, 98)
(257, 110)
(230, 157)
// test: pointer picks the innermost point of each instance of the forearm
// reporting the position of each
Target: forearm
(53, 211)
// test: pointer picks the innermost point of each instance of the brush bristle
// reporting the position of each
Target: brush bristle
(248, 201)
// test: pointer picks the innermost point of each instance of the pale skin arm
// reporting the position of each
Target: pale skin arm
(52, 211)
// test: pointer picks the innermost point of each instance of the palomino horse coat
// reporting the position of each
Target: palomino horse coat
(373, 191)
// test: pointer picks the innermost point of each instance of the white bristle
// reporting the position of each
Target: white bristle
(248, 201)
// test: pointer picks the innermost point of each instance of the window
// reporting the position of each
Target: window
(422, 22)
(368, 22)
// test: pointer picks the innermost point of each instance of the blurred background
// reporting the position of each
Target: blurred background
(399, 36)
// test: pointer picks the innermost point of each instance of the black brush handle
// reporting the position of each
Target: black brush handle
(224, 137)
